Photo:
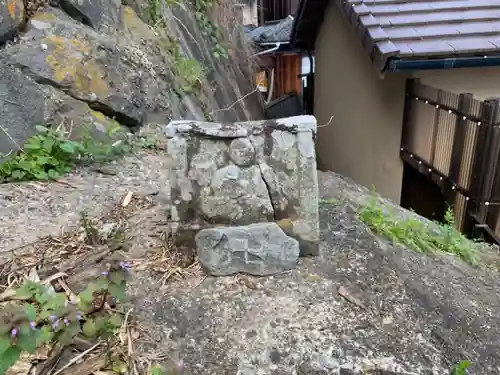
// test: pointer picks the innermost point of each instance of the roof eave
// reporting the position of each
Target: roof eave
(397, 64)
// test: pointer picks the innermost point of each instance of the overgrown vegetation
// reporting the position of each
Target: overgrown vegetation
(202, 14)
(47, 316)
(36, 315)
(461, 368)
(418, 235)
(189, 72)
(43, 316)
(51, 153)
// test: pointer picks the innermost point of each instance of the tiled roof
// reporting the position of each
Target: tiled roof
(275, 31)
(415, 28)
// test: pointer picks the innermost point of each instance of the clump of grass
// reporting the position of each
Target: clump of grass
(189, 72)
(420, 236)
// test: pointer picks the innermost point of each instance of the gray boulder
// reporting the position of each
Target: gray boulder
(102, 15)
(22, 104)
(257, 249)
(109, 72)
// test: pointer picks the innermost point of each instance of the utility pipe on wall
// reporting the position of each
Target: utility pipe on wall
(268, 50)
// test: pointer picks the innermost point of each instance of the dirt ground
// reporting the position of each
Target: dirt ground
(362, 307)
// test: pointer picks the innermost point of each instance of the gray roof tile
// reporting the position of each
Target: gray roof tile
(417, 28)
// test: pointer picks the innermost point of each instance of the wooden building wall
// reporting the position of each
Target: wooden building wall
(288, 68)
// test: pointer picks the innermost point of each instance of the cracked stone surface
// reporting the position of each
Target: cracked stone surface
(237, 174)
(258, 249)
(417, 314)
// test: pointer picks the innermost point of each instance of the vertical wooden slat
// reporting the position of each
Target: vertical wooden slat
(479, 164)
(455, 166)
(437, 116)
(464, 105)
(489, 165)
(406, 131)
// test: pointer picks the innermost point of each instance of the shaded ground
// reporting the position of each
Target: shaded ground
(363, 305)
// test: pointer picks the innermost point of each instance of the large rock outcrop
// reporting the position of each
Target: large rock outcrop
(242, 173)
(97, 64)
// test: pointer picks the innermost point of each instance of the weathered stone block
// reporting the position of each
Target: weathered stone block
(257, 249)
(244, 173)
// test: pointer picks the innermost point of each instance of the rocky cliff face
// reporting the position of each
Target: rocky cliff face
(100, 63)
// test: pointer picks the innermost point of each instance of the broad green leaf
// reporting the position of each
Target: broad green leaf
(48, 144)
(68, 333)
(461, 368)
(117, 277)
(115, 320)
(4, 344)
(158, 370)
(26, 165)
(68, 147)
(41, 175)
(18, 175)
(31, 311)
(9, 358)
(119, 367)
(43, 160)
(89, 328)
(59, 300)
(44, 334)
(102, 283)
(118, 291)
(27, 341)
(32, 145)
(42, 129)
(53, 174)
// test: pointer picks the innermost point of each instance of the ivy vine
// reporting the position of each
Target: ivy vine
(202, 12)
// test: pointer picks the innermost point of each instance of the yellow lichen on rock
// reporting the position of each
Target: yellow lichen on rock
(71, 66)
(107, 122)
(135, 25)
(44, 16)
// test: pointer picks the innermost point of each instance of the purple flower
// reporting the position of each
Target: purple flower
(126, 266)
(105, 273)
(180, 364)
(33, 325)
(53, 318)
(66, 321)
(14, 332)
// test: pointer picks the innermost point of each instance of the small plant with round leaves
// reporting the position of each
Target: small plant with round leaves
(44, 316)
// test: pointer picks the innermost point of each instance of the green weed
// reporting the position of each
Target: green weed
(190, 73)
(461, 368)
(50, 154)
(418, 235)
(41, 316)
(202, 15)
